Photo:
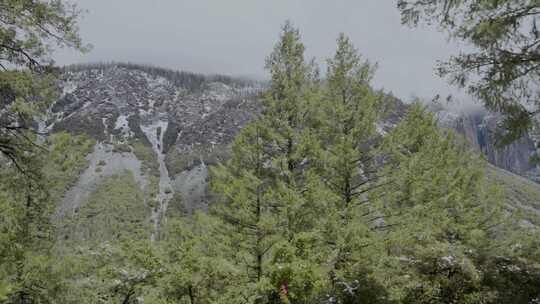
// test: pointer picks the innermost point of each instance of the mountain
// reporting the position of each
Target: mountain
(155, 131)
(160, 126)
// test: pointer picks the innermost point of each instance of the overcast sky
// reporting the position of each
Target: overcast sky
(235, 36)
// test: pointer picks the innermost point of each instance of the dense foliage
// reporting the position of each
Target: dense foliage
(320, 204)
(28, 30)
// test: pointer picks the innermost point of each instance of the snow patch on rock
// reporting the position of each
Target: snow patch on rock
(122, 124)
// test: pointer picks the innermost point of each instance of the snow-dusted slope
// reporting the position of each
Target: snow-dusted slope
(157, 127)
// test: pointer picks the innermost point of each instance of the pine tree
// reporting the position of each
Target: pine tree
(444, 214)
(26, 234)
(249, 216)
(270, 202)
(197, 265)
(350, 112)
(28, 31)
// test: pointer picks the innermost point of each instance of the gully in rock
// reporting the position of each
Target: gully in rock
(155, 134)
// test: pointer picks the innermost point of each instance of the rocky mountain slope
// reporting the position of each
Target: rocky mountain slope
(159, 130)
(162, 127)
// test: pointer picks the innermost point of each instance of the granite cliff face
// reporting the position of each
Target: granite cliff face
(479, 129)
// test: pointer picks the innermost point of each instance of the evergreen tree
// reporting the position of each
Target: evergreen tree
(289, 116)
(249, 216)
(351, 112)
(348, 132)
(197, 268)
(26, 234)
(269, 208)
(444, 212)
(28, 31)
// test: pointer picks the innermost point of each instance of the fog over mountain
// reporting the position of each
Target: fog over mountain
(234, 37)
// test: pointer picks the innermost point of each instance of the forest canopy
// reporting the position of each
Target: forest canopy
(322, 199)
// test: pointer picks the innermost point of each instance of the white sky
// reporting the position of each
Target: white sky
(235, 36)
